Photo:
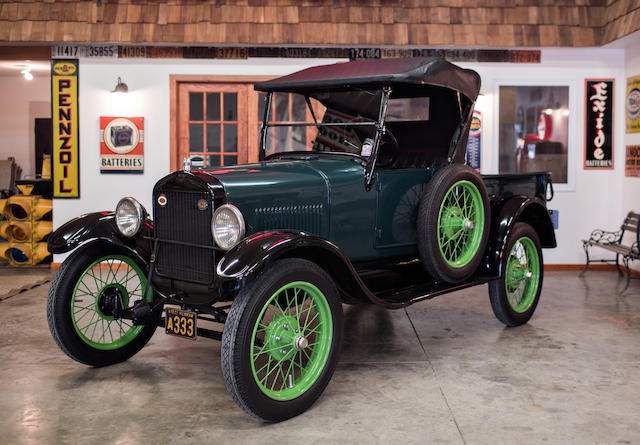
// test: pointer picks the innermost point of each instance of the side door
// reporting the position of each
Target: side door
(398, 197)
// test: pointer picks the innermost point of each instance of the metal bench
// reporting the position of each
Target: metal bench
(623, 246)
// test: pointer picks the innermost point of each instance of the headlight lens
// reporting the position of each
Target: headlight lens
(227, 226)
(129, 216)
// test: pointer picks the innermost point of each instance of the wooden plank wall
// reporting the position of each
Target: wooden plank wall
(497, 23)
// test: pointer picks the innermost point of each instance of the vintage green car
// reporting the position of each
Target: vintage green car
(380, 209)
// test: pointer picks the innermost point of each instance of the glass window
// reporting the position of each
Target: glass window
(409, 109)
(534, 130)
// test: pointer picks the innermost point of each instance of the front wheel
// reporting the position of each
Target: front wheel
(514, 296)
(90, 289)
(281, 340)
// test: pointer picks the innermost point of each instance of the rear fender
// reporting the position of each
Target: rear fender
(244, 262)
(100, 226)
(519, 209)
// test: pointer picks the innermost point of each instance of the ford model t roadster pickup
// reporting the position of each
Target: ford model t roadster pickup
(379, 207)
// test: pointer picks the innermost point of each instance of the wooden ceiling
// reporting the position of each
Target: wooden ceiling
(462, 23)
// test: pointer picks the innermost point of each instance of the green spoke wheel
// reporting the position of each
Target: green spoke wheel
(460, 224)
(514, 296)
(87, 296)
(281, 340)
(453, 223)
(108, 285)
(291, 341)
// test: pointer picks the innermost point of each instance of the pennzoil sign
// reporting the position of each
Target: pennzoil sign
(64, 112)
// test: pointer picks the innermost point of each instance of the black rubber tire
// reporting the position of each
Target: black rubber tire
(236, 340)
(427, 225)
(497, 292)
(59, 311)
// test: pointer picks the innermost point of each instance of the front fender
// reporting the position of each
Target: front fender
(519, 209)
(245, 261)
(99, 226)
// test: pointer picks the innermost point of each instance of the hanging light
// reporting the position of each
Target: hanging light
(27, 73)
(121, 87)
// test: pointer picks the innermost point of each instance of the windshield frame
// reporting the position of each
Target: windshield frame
(379, 125)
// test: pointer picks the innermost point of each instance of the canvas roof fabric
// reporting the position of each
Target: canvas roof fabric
(378, 73)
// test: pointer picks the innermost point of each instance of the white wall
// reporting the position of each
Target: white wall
(593, 201)
(22, 101)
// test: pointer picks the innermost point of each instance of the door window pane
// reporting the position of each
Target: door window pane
(282, 106)
(213, 137)
(213, 161)
(534, 128)
(230, 160)
(283, 139)
(298, 108)
(195, 137)
(262, 105)
(230, 106)
(230, 138)
(195, 107)
(213, 106)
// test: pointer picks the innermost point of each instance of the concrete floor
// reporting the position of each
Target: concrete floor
(571, 376)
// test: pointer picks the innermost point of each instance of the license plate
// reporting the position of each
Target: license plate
(181, 323)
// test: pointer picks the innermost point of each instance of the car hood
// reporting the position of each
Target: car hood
(286, 194)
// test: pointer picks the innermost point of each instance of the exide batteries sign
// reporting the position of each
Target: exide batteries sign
(64, 109)
(599, 124)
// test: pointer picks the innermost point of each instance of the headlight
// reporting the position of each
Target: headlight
(129, 216)
(227, 226)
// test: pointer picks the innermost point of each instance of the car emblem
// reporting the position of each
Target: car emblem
(162, 200)
(202, 204)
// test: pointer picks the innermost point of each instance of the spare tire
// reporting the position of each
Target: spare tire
(453, 223)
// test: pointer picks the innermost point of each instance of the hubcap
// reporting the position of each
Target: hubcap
(460, 224)
(522, 274)
(291, 341)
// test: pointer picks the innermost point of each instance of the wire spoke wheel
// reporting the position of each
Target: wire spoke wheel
(87, 298)
(291, 341)
(453, 223)
(460, 224)
(515, 295)
(522, 274)
(281, 340)
(107, 286)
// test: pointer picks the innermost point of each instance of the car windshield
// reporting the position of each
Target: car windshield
(295, 125)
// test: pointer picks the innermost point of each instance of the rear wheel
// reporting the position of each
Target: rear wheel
(90, 289)
(281, 340)
(514, 296)
(453, 223)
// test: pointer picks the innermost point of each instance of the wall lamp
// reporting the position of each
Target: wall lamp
(121, 87)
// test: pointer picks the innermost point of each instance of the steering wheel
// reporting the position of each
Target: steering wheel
(387, 153)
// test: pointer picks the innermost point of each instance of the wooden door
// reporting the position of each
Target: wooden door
(212, 124)
(217, 124)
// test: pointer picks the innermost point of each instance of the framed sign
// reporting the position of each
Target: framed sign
(473, 143)
(632, 161)
(633, 105)
(598, 150)
(64, 112)
(121, 144)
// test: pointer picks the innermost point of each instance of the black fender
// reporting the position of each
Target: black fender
(247, 259)
(532, 211)
(100, 226)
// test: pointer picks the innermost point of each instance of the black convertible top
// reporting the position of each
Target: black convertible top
(378, 72)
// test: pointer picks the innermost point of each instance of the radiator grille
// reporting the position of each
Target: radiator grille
(306, 218)
(181, 220)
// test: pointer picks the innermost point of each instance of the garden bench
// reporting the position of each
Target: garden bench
(624, 243)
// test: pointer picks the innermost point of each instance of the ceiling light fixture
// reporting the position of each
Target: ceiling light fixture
(121, 87)
(27, 73)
